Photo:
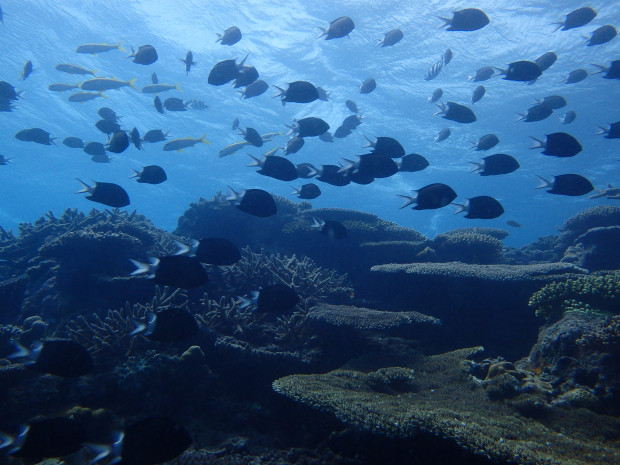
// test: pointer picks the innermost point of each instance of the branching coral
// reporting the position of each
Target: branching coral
(591, 294)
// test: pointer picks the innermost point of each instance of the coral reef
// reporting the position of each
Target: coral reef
(592, 294)
(435, 396)
(374, 253)
(597, 249)
(593, 217)
(468, 246)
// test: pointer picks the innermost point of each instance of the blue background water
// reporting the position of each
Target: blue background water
(281, 40)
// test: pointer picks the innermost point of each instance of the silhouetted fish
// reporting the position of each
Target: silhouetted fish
(224, 72)
(496, 164)
(579, 17)
(412, 162)
(567, 184)
(545, 61)
(351, 105)
(339, 27)
(49, 438)
(211, 250)
(536, 113)
(306, 170)
(331, 174)
(108, 114)
(27, 70)
(255, 89)
(478, 94)
(456, 112)
(173, 270)
(368, 86)
(443, 135)
(555, 102)
(247, 75)
(231, 36)
(558, 144)
(299, 92)
(118, 142)
(168, 325)
(155, 135)
(486, 142)
(294, 145)
(37, 135)
(386, 146)
(521, 71)
(569, 117)
(276, 167)
(469, 19)
(60, 357)
(330, 228)
(105, 193)
(576, 76)
(145, 55)
(94, 148)
(310, 127)
(437, 94)
(613, 132)
(73, 142)
(392, 37)
(483, 74)
(151, 174)
(189, 61)
(256, 202)
(602, 35)
(107, 127)
(613, 70)
(307, 191)
(481, 207)
(430, 197)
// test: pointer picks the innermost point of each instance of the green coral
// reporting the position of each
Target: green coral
(598, 294)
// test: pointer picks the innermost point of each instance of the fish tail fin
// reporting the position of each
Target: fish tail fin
(131, 83)
(408, 200)
(52, 139)
(442, 109)
(312, 171)
(323, 33)
(601, 131)
(139, 327)
(317, 223)
(558, 25)
(21, 351)
(256, 161)
(133, 52)
(219, 37)
(178, 87)
(142, 268)
(459, 208)
(295, 191)
(203, 140)
(478, 166)
(601, 68)
(135, 174)
(370, 143)
(85, 188)
(522, 116)
(539, 144)
(446, 22)
(350, 165)
(544, 184)
(101, 451)
(6, 440)
(281, 92)
(119, 46)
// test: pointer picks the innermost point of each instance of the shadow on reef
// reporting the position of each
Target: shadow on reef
(374, 311)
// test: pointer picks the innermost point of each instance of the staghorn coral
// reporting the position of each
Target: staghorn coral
(436, 396)
(591, 294)
(310, 281)
(110, 337)
(468, 247)
(227, 317)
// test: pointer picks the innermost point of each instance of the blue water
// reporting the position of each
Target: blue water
(280, 38)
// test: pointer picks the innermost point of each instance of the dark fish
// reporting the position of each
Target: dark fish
(412, 162)
(342, 132)
(255, 202)
(235, 124)
(4, 160)
(94, 148)
(108, 114)
(434, 71)
(368, 86)
(307, 191)
(168, 325)
(352, 106)
(60, 357)
(372, 166)
(602, 35)
(327, 137)
(276, 167)
(536, 113)
(107, 127)
(455, 112)
(521, 71)
(329, 228)
(159, 106)
(27, 70)
(437, 94)
(73, 142)
(478, 94)
(152, 441)
(579, 17)
(358, 177)
(294, 145)
(146, 55)
(189, 61)
(567, 184)
(613, 132)
(443, 135)
(469, 19)
(306, 170)
(351, 122)
(558, 144)
(555, 102)
(49, 438)
(35, 135)
(155, 135)
(173, 270)
(576, 76)
(118, 142)
(151, 174)
(310, 127)
(277, 298)
(513, 223)
(247, 75)
(569, 117)
(224, 72)
(212, 250)
(323, 94)
(430, 197)
(339, 27)
(486, 142)
(73, 69)
(493, 165)
(613, 70)
(482, 207)
(447, 56)
(104, 158)
(483, 74)
(299, 92)
(255, 89)
(545, 61)
(135, 139)
(386, 146)
(105, 193)
(154, 78)
(174, 104)
(331, 174)
(231, 36)
(7, 91)
(252, 136)
(392, 37)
